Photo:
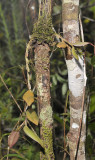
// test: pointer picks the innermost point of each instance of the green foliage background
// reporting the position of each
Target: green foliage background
(13, 38)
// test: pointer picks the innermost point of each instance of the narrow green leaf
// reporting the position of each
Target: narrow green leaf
(74, 53)
(32, 134)
(13, 155)
(79, 44)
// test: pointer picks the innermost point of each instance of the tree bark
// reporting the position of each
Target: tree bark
(42, 66)
(77, 82)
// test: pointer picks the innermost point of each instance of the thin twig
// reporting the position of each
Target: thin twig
(65, 110)
(10, 93)
(28, 69)
(82, 106)
(78, 141)
(90, 19)
(8, 152)
(81, 28)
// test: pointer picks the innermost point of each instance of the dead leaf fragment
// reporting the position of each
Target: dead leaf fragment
(28, 97)
(62, 45)
(32, 117)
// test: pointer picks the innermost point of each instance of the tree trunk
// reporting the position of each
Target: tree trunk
(77, 82)
(42, 66)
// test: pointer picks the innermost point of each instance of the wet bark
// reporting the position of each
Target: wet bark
(77, 82)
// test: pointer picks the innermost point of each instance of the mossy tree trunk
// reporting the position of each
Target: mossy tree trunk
(43, 35)
(77, 82)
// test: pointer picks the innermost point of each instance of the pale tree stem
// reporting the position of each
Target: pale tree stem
(77, 82)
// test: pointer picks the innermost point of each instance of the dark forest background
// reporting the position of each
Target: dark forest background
(17, 18)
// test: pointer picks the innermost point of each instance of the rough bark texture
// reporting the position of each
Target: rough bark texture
(45, 7)
(42, 65)
(43, 35)
(77, 82)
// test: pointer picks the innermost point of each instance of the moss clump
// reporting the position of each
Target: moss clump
(43, 30)
(48, 141)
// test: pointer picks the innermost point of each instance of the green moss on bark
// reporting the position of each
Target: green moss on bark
(43, 30)
(48, 142)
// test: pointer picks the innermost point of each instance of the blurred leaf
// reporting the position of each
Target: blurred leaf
(20, 93)
(93, 61)
(32, 134)
(32, 117)
(92, 127)
(57, 9)
(33, 106)
(57, 118)
(13, 155)
(28, 97)
(63, 72)
(54, 80)
(93, 7)
(79, 44)
(88, 59)
(74, 53)
(1, 35)
(64, 89)
(92, 104)
(89, 143)
(86, 21)
(59, 78)
(66, 119)
(65, 114)
(13, 138)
